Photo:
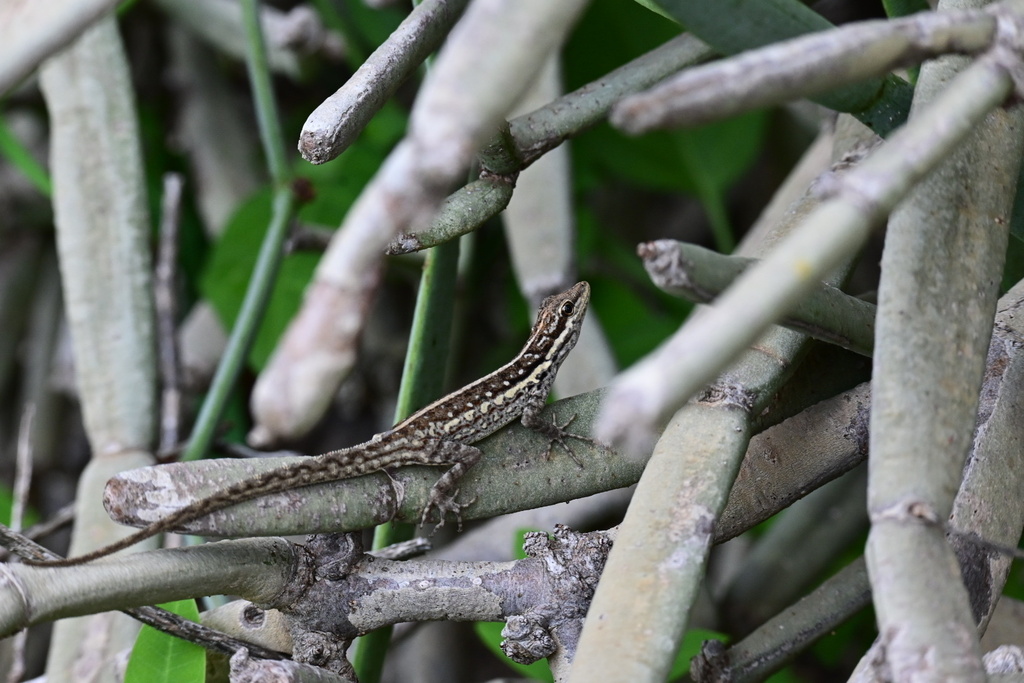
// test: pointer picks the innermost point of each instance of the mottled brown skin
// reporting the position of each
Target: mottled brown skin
(439, 434)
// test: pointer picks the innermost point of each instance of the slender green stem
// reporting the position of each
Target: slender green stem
(246, 325)
(269, 259)
(422, 381)
(16, 153)
(263, 94)
(423, 376)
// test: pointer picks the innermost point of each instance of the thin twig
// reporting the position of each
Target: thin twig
(645, 396)
(61, 518)
(166, 301)
(269, 260)
(339, 120)
(700, 275)
(23, 468)
(17, 650)
(781, 72)
(22, 482)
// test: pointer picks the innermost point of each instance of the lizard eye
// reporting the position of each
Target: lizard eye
(567, 308)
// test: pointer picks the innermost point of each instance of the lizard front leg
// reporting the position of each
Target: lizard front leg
(531, 419)
(442, 495)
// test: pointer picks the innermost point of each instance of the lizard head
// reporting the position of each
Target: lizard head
(558, 325)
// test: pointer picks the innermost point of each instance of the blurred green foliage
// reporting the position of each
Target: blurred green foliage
(335, 187)
(161, 658)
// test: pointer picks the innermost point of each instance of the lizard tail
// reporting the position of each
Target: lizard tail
(272, 481)
(127, 541)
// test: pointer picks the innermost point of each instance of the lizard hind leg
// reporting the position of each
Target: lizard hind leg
(443, 493)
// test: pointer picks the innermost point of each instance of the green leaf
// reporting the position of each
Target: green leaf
(161, 658)
(716, 155)
(518, 542)
(693, 160)
(609, 34)
(632, 324)
(230, 266)
(784, 676)
(635, 318)
(7, 503)
(841, 645)
(336, 186)
(703, 162)
(904, 8)
(649, 4)
(367, 27)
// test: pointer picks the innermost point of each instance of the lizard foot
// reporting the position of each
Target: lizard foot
(558, 434)
(445, 504)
